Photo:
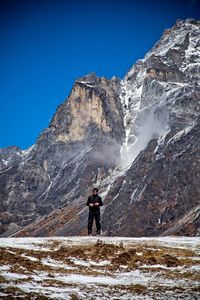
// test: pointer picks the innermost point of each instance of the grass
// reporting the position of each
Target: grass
(170, 263)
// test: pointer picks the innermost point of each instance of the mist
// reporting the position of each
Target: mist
(150, 123)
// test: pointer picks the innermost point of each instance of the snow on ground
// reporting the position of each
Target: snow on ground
(100, 268)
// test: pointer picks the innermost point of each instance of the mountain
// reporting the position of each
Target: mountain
(136, 139)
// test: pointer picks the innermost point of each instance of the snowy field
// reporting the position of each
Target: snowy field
(100, 268)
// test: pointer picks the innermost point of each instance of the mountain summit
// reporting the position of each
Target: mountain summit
(136, 139)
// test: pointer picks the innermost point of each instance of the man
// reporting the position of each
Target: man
(94, 202)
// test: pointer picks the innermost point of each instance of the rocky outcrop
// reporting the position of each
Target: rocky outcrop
(137, 139)
(92, 102)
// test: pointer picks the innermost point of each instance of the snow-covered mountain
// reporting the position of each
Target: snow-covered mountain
(137, 139)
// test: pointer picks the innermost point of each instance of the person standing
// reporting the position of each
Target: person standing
(94, 202)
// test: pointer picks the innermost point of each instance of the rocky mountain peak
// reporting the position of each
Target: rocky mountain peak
(90, 78)
(91, 109)
(170, 68)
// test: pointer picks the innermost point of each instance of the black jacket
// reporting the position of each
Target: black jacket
(94, 199)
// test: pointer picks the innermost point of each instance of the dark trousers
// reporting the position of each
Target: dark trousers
(94, 215)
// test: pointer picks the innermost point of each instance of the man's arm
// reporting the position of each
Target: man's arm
(88, 201)
(100, 201)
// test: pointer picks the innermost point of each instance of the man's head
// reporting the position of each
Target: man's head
(95, 191)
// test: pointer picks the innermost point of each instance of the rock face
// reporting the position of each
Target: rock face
(137, 139)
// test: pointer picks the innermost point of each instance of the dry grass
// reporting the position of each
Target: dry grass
(169, 263)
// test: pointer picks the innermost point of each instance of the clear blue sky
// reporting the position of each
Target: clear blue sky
(46, 45)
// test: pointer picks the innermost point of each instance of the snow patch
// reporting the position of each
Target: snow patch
(28, 150)
(13, 276)
(30, 257)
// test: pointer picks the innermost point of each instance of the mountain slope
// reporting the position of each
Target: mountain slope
(136, 139)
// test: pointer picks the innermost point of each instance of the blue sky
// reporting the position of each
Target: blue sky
(46, 45)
